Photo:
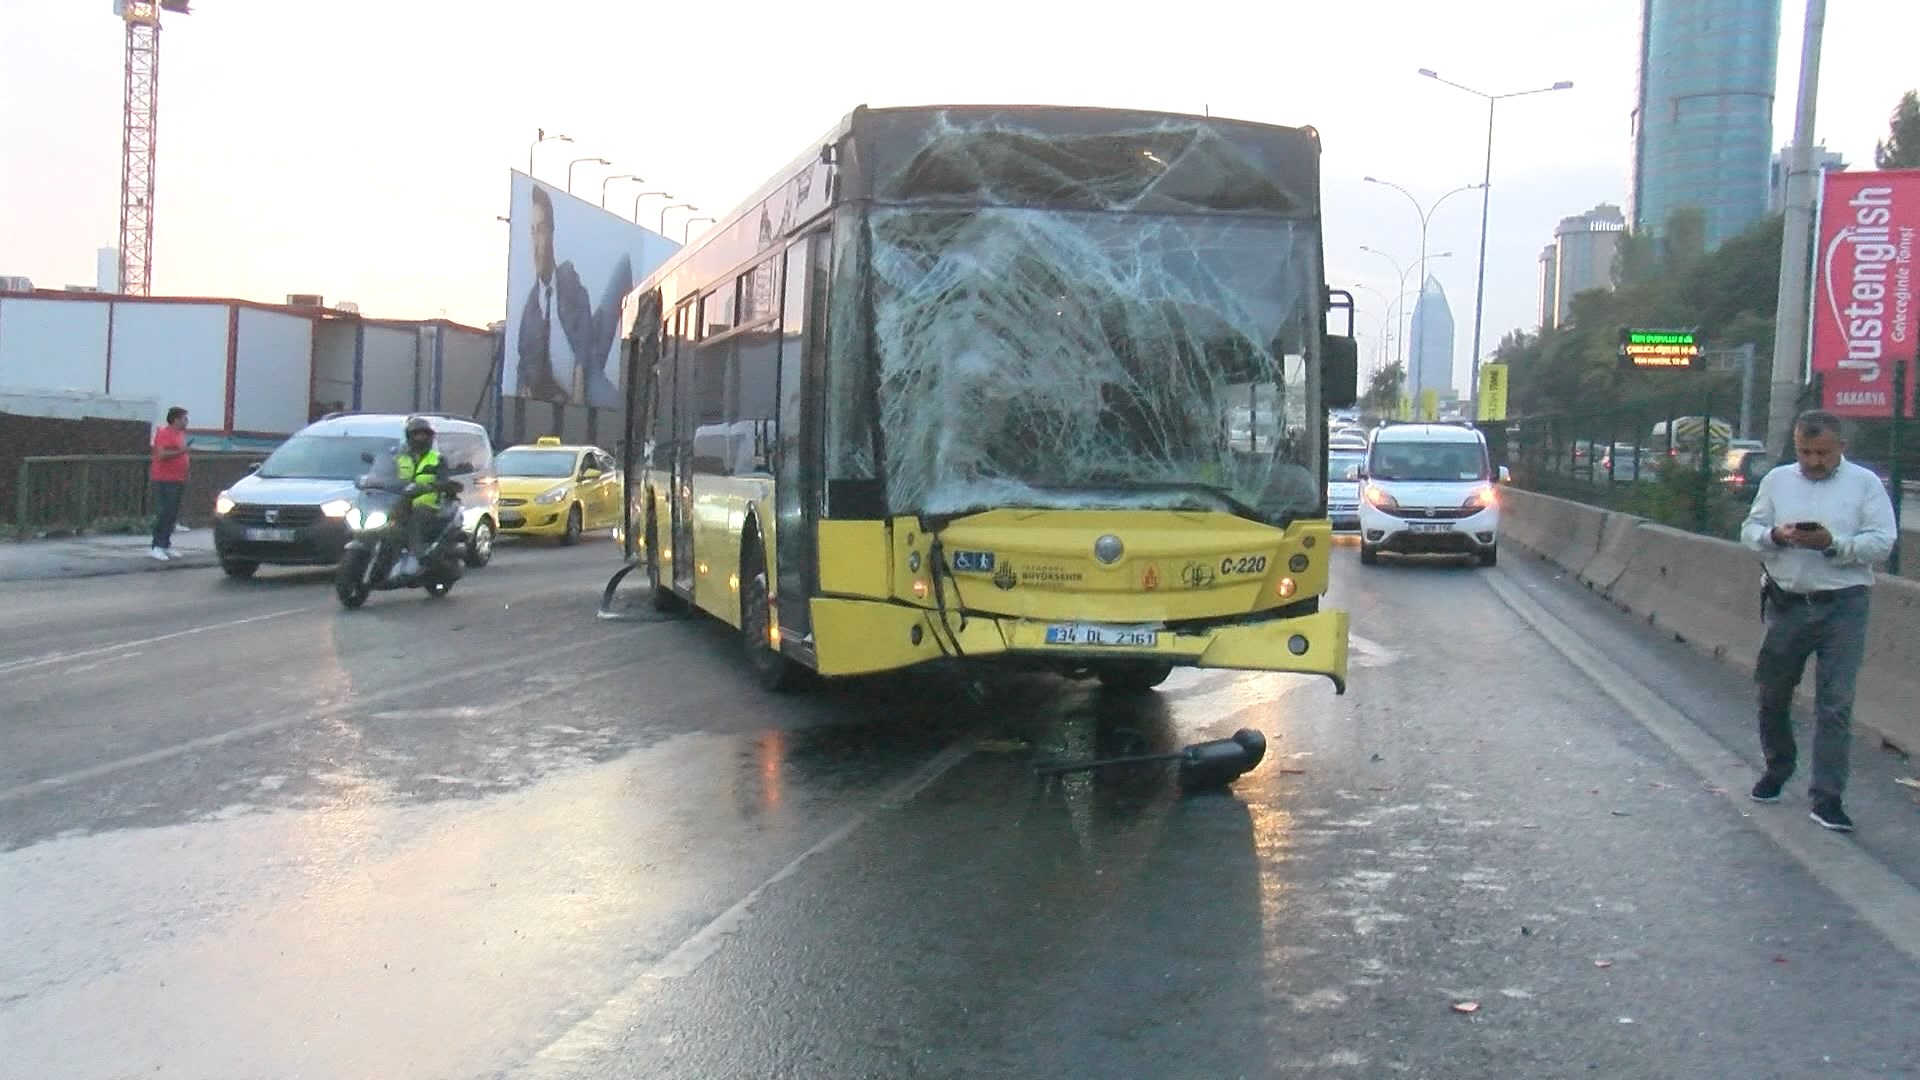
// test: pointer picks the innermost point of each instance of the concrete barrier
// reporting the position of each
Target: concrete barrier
(1706, 592)
(1566, 532)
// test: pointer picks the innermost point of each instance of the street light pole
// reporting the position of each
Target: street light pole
(647, 195)
(1790, 312)
(675, 206)
(1486, 207)
(605, 180)
(686, 228)
(1402, 302)
(578, 160)
(540, 136)
(1425, 218)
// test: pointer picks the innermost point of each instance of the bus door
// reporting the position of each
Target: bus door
(680, 495)
(803, 323)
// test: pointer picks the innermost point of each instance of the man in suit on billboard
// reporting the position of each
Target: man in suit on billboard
(559, 330)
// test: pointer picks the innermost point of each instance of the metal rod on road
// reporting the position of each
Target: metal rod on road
(1791, 314)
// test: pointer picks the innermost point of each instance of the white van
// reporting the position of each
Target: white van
(1429, 489)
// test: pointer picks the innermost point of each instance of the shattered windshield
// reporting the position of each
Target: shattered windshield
(1068, 359)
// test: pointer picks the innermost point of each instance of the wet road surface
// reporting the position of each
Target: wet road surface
(244, 834)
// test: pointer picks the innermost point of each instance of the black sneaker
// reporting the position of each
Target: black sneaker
(1768, 788)
(1828, 813)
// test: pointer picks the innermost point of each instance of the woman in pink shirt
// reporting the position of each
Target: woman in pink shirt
(169, 472)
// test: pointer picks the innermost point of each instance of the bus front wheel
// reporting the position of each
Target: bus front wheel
(773, 670)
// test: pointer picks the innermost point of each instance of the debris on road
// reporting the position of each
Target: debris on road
(1001, 746)
(1603, 963)
(1466, 1006)
(1907, 781)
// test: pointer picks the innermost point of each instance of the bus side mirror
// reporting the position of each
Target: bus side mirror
(1340, 371)
(1506, 475)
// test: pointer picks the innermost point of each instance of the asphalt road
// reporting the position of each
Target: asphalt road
(245, 834)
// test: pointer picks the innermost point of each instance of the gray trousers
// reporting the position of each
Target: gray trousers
(1835, 633)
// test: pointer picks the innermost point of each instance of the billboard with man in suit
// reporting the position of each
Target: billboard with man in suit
(568, 266)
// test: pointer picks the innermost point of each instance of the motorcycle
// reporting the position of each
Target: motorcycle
(378, 520)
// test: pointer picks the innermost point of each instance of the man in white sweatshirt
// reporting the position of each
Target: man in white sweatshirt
(1819, 525)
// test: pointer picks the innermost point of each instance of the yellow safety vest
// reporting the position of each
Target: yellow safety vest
(424, 470)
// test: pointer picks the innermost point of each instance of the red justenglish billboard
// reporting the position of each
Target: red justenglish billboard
(1863, 293)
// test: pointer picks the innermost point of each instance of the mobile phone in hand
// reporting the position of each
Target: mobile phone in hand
(1805, 526)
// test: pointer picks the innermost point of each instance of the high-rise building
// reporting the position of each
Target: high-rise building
(1703, 122)
(1823, 159)
(1549, 285)
(1430, 358)
(106, 270)
(1582, 257)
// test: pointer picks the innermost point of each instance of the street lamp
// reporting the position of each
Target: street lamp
(605, 180)
(675, 206)
(540, 136)
(1389, 328)
(1486, 201)
(1395, 263)
(648, 195)
(1426, 219)
(686, 227)
(578, 160)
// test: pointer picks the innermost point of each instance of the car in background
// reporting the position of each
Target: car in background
(1429, 489)
(551, 489)
(1743, 469)
(1343, 488)
(1352, 440)
(292, 510)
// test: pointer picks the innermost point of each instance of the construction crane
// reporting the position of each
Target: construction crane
(138, 136)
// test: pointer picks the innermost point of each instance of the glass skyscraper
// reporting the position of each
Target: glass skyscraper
(1431, 358)
(1703, 124)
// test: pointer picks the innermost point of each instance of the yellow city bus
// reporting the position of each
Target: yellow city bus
(1026, 384)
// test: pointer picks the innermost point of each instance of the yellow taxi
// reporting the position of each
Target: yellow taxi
(550, 489)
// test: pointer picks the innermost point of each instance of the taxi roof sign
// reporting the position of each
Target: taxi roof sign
(1661, 350)
(547, 440)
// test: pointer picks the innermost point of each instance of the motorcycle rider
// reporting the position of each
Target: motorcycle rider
(419, 464)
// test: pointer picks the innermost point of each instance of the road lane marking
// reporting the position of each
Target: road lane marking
(1876, 894)
(81, 654)
(207, 742)
(607, 1024)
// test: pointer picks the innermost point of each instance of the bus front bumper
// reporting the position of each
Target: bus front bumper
(859, 637)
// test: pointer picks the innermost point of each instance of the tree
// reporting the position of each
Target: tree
(1902, 148)
(1635, 259)
(1384, 389)
(1684, 240)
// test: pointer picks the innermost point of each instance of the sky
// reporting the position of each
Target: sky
(360, 149)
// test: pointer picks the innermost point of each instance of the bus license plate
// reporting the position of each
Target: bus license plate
(1088, 634)
(272, 536)
(1431, 527)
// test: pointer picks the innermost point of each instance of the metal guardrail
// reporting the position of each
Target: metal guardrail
(70, 492)
(56, 493)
